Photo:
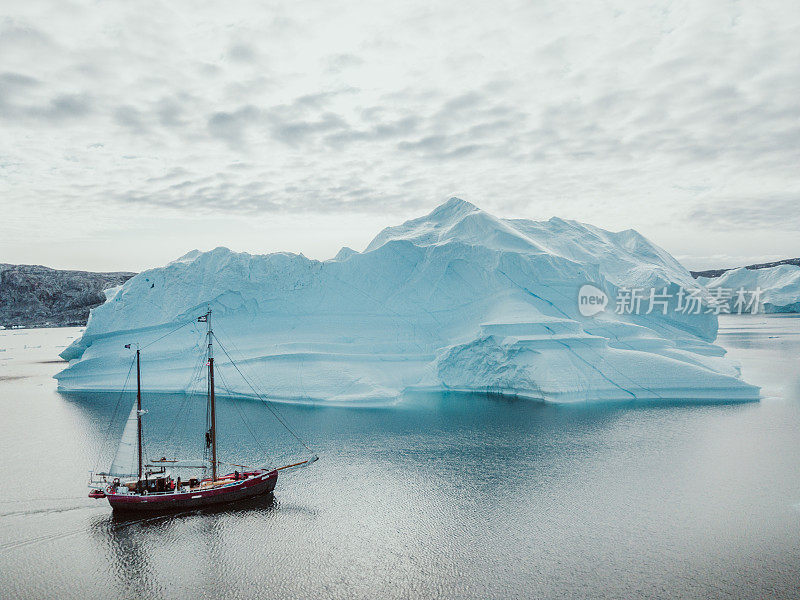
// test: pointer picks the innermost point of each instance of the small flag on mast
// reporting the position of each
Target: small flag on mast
(203, 319)
(127, 345)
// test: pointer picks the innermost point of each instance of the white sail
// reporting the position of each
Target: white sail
(126, 460)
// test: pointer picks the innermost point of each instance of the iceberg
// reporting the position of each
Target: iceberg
(456, 300)
(779, 286)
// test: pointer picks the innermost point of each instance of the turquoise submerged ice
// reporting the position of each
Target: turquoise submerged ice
(455, 300)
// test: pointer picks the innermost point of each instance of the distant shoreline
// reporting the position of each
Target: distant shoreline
(35, 297)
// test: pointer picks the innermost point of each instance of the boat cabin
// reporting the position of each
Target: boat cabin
(153, 483)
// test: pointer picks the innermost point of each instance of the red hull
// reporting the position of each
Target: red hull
(262, 483)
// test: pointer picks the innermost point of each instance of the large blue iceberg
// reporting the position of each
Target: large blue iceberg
(455, 300)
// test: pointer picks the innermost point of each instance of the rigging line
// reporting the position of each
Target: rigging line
(241, 415)
(255, 376)
(184, 403)
(175, 422)
(180, 425)
(168, 334)
(114, 414)
(266, 401)
(196, 391)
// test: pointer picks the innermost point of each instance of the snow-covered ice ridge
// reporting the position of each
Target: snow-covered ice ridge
(455, 300)
(779, 285)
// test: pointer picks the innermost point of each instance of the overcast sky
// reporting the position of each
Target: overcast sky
(134, 132)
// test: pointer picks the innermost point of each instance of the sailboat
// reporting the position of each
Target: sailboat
(131, 484)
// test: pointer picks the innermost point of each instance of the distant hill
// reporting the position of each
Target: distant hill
(718, 272)
(36, 296)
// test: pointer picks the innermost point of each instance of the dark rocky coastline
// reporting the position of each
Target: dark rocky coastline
(720, 272)
(37, 296)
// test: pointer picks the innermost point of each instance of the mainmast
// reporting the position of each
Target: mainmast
(139, 410)
(211, 400)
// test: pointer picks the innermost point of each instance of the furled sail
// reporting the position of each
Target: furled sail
(182, 464)
(126, 460)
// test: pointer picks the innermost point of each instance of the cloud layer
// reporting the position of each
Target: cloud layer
(617, 114)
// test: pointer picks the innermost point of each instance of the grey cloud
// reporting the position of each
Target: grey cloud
(465, 150)
(498, 86)
(168, 176)
(300, 121)
(251, 86)
(9, 82)
(209, 69)
(464, 101)
(293, 132)
(241, 52)
(170, 113)
(306, 118)
(131, 118)
(484, 129)
(62, 108)
(759, 211)
(18, 102)
(429, 143)
(395, 128)
(468, 124)
(307, 101)
(231, 126)
(224, 191)
(339, 62)
(377, 132)
(442, 147)
(16, 34)
(12, 85)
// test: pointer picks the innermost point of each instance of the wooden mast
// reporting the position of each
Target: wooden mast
(211, 400)
(139, 411)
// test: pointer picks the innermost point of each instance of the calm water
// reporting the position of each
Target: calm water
(448, 496)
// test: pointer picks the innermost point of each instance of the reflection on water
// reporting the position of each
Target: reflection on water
(133, 543)
(769, 348)
(442, 495)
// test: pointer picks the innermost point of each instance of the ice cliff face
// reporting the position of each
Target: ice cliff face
(455, 300)
(779, 285)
